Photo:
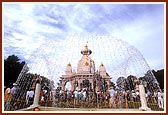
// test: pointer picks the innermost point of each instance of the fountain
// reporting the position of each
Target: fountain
(124, 63)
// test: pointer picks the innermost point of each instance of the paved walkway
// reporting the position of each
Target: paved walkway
(86, 109)
(78, 109)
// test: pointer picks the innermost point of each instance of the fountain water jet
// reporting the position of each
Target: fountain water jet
(50, 59)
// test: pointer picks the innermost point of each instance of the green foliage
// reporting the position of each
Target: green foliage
(159, 75)
(112, 84)
(12, 68)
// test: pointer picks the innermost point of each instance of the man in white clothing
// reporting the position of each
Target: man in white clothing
(29, 97)
(112, 98)
(160, 99)
(75, 96)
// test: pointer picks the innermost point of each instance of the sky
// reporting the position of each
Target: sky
(30, 29)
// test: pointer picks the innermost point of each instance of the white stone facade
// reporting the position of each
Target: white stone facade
(85, 72)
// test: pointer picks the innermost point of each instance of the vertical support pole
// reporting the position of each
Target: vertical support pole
(37, 95)
(91, 81)
(63, 85)
(72, 85)
(144, 106)
(108, 84)
(79, 84)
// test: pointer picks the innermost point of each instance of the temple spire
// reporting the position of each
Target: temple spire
(86, 51)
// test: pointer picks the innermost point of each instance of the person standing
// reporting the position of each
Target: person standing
(6, 96)
(84, 95)
(160, 99)
(12, 99)
(29, 97)
(163, 95)
(14, 89)
(80, 96)
(112, 98)
(75, 97)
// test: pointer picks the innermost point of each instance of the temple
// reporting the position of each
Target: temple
(86, 76)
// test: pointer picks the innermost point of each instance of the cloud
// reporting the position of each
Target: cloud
(60, 30)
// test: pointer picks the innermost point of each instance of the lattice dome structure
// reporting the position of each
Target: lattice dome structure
(119, 58)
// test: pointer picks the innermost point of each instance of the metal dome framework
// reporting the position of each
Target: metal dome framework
(119, 57)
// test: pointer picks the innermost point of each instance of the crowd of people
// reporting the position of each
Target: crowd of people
(113, 98)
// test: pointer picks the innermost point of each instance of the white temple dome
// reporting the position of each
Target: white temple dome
(86, 64)
(102, 70)
(68, 70)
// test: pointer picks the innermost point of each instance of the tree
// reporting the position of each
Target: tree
(12, 68)
(121, 83)
(153, 83)
(112, 84)
(130, 82)
(159, 75)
